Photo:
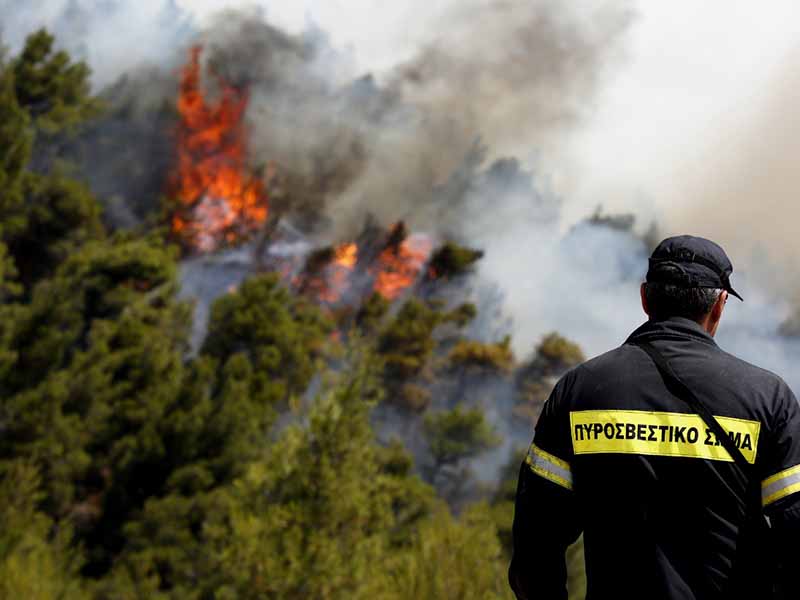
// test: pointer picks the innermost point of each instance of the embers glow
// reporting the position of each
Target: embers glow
(218, 202)
(398, 266)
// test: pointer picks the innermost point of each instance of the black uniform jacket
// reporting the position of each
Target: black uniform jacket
(660, 503)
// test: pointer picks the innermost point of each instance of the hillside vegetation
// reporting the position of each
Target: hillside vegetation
(132, 466)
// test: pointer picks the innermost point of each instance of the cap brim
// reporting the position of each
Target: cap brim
(733, 292)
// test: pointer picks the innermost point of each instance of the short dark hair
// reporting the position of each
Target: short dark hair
(666, 300)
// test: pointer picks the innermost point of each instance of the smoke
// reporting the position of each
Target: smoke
(746, 174)
(507, 75)
(514, 72)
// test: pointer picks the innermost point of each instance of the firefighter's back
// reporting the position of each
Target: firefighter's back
(620, 455)
(662, 505)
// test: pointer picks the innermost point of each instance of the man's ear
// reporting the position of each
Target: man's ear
(716, 313)
(644, 299)
(719, 306)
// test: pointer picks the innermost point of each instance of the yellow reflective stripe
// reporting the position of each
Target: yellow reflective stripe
(659, 434)
(785, 473)
(780, 485)
(549, 466)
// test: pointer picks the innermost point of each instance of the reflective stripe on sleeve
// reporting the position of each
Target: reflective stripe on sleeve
(780, 485)
(548, 466)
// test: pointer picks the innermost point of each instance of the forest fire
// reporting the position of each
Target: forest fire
(218, 202)
(389, 262)
(339, 271)
(399, 265)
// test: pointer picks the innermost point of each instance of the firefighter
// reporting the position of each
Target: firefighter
(620, 455)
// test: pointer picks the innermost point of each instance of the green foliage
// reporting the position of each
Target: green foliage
(406, 346)
(475, 355)
(52, 89)
(100, 283)
(454, 559)
(412, 499)
(372, 312)
(59, 215)
(310, 519)
(556, 354)
(99, 361)
(457, 434)
(407, 342)
(462, 314)
(413, 397)
(451, 260)
(8, 355)
(576, 571)
(16, 143)
(35, 564)
(502, 506)
(280, 337)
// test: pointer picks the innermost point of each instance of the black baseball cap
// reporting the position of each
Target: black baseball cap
(689, 261)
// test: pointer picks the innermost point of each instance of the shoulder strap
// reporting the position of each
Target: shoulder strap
(754, 579)
(683, 392)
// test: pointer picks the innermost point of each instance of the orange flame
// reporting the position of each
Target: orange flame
(327, 282)
(346, 255)
(219, 202)
(396, 268)
(399, 266)
(344, 261)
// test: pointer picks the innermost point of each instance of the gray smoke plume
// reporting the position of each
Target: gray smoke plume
(507, 75)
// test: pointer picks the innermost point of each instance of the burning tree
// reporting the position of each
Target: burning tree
(217, 201)
(386, 262)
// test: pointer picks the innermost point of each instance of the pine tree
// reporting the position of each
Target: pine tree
(36, 562)
(99, 355)
(59, 215)
(457, 434)
(53, 90)
(16, 143)
(280, 337)
(313, 518)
